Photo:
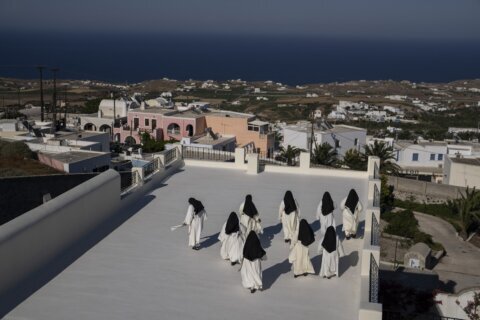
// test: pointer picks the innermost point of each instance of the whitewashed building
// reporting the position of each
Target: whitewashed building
(340, 137)
(462, 171)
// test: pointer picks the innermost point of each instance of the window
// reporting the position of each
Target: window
(154, 124)
(440, 157)
(355, 143)
(415, 157)
(173, 128)
(147, 122)
(135, 123)
(337, 143)
(432, 156)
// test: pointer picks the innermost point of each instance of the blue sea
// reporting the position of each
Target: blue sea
(293, 60)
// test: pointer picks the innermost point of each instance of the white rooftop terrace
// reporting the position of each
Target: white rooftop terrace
(142, 270)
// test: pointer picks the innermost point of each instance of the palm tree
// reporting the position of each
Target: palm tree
(355, 160)
(467, 208)
(290, 154)
(385, 153)
(324, 154)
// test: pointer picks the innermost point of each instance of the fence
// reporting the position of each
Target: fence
(207, 154)
(427, 189)
(170, 155)
(374, 280)
(129, 179)
(265, 158)
(376, 196)
(149, 168)
(375, 235)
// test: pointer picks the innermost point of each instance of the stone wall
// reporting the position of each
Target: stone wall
(424, 191)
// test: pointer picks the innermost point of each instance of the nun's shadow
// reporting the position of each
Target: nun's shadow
(269, 233)
(209, 240)
(346, 262)
(315, 225)
(317, 263)
(271, 274)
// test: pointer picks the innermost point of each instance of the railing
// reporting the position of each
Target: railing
(170, 155)
(376, 171)
(266, 159)
(207, 154)
(129, 179)
(374, 280)
(149, 168)
(375, 235)
(376, 196)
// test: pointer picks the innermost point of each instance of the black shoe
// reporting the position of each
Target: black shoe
(324, 277)
(287, 240)
(253, 290)
(347, 237)
(196, 248)
(295, 275)
(354, 236)
(233, 263)
(305, 274)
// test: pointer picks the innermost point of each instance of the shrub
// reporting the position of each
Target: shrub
(17, 150)
(402, 224)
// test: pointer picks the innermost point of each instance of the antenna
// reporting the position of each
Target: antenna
(42, 105)
(54, 98)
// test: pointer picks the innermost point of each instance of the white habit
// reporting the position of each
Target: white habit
(250, 223)
(252, 273)
(329, 266)
(325, 221)
(289, 221)
(195, 225)
(350, 221)
(232, 244)
(300, 259)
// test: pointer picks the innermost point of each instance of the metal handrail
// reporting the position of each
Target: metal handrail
(375, 235)
(199, 153)
(373, 280)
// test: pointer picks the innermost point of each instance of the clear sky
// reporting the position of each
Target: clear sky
(425, 19)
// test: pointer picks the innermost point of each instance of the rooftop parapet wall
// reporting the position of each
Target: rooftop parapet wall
(30, 242)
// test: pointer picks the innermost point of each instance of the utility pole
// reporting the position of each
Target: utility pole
(18, 98)
(312, 135)
(42, 105)
(54, 102)
(65, 102)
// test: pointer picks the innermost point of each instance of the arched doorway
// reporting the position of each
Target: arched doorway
(105, 128)
(130, 141)
(90, 127)
(116, 137)
(173, 128)
(190, 130)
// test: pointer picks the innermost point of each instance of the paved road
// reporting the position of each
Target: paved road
(461, 264)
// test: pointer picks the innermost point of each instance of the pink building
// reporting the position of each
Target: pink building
(161, 124)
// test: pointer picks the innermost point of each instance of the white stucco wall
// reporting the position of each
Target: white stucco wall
(461, 174)
(405, 156)
(294, 138)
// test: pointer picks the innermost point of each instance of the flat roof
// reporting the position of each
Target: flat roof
(232, 114)
(142, 270)
(209, 140)
(75, 135)
(74, 156)
(470, 161)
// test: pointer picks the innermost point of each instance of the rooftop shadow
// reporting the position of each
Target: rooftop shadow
(347, 261)
(271, 274)
(317, 263)
(209, 240)
(269, 233)
(315, 225)
(13, 297)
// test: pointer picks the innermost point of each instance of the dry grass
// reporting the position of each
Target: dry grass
(15, 167)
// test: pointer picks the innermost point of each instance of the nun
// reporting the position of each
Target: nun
(251, 269)
(332, 249)
(196, 214)
(232, 239)
(288, 214)
(299, 256)
(249, 216)
(351, 208)
(325, 213)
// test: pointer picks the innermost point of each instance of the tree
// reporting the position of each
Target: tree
(467, 207)
(151, 145)
(290, 154)
(324, 154)
(355, 160)
(385, 153)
